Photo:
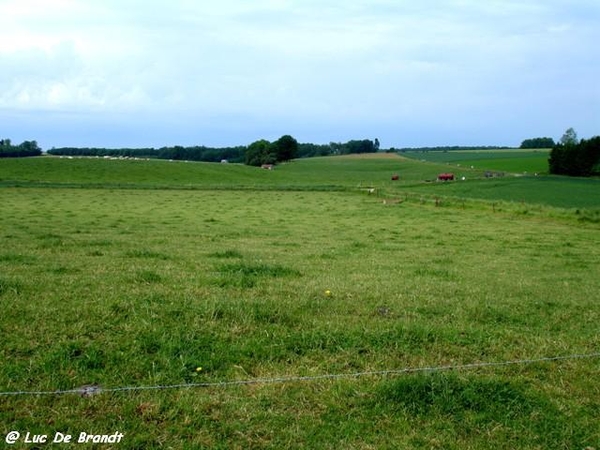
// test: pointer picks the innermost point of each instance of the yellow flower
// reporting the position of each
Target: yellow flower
(198, 369)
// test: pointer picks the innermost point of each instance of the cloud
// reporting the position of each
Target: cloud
(277, 65)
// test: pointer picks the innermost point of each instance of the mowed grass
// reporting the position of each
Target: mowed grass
(513, 160)
(580, 197)
(123, 287)
(352, 173)
(324, 173)
(130, 173)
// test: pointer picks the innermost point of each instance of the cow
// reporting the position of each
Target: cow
(395, 177)
(446, 177)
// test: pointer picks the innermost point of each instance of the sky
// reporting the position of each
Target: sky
(153, 73)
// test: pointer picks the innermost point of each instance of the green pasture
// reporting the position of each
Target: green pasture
(347, 173)
(303, 174)
(513, 160)
(574, 194)
(129, 173)
(137, 275)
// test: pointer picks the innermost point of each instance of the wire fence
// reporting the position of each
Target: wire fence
(95, 389)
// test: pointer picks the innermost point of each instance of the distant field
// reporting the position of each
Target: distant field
(328, 173)
(345, 171)
(141, 174)
(515, 161)
(561, 192)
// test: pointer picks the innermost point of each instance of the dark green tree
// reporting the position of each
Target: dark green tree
(580, 159)
(558, 163)
(355, 146)
(285, 148)
(26, 148)
(260, 152)
(540, 142)
(569, 138)
(589, 156)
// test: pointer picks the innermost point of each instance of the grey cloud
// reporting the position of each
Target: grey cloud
(212, 71)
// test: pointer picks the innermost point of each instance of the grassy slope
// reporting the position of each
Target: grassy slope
(516, 161)
(347, 171)
(102, 172)
(136, 287)
(332, 173)
(553, 191)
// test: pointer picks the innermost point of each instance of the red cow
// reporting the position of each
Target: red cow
(446, 176)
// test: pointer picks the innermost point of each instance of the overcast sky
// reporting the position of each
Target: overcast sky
(135, 73)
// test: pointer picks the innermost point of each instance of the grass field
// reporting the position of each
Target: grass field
(107, 286)
(350, 173)
(516, 161)
(528, 193)
(308, 174)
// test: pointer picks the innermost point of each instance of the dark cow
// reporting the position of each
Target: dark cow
(395, 177)
(446, 177)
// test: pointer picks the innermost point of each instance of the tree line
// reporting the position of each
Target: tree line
(195, 153)
(448, 148)
(25, 148)
(287, 148)
(569, 156)
(574, 157)
(258, 153)
(540, 142)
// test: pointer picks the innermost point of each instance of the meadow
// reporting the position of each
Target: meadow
(129, 274)
(510, 160)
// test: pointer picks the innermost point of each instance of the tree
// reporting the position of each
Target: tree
(576, 159)
(355, 146)
(26, 148)
(260, 152)
(569, 138)
(540, 142)
(558, 163)
(264, 152)
(285, 148)
(589, 156)
(30, 148)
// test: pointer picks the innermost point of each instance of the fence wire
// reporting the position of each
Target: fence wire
(95, 389)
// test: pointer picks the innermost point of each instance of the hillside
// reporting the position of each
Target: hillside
(195, 305)
(323, 173)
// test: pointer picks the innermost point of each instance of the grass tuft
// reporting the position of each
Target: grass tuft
(507, 410)
(447, 393)
(7, 285)
(148, 277)
(16, 258)
(246, 275)
(226, 254)
(144, 253)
